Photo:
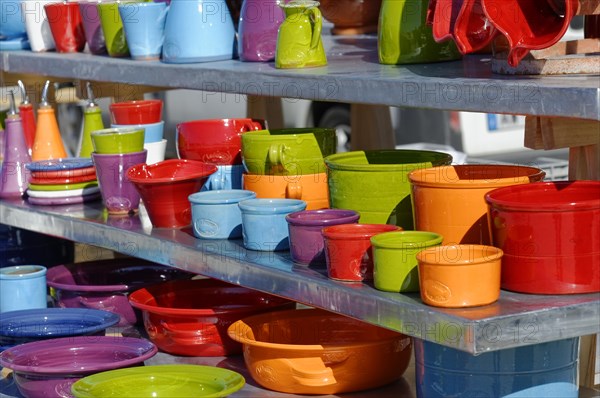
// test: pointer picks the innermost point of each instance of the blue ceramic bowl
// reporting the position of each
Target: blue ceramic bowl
(17, 327)
(153, 132)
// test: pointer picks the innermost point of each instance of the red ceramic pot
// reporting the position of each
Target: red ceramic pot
(165, 186)
(216, 141)
(136, 112)
(66, 26)
(348, 251)
(550, 235)
(191, 317)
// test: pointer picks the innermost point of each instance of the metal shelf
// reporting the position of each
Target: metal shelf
(353, 75)
(515, 320)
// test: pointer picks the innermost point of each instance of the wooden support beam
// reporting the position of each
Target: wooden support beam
(266, 108)
(371, 127)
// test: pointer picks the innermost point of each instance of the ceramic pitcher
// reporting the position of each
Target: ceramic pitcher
(257, 31)
(299, 43)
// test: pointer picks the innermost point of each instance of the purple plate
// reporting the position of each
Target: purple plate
(63, 201)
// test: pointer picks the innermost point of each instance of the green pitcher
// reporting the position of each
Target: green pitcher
(299, 43)
(405, 38)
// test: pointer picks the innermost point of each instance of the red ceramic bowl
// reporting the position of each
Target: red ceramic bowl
(106, 284)
(165, 186)
(550, 235)
(136, 112)
(216, 141)
(348, 251)
(191, 317)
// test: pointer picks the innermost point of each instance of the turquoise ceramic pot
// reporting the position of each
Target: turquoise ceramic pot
(405, 37)
(375, 183)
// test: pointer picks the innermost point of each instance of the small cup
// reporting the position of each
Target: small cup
(153, 132)
(216, 214)
(306, 239)
(226, 177)
(23, 287)
(118, 140)
(394, 259)
(92, 27)
(156, 151)
(459, 275)
(263, 223)
(136, 112)
(144, 25)
(348, 250)
(37, 26)
(112, 28)
(66, 26)
(119, 195)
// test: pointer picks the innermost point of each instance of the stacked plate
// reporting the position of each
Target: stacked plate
(62, 181)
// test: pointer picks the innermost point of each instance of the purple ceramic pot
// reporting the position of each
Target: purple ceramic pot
(94, 36)
(106, 284)
(257, 30)
(118, 193)
(48, 368)
(306, 240)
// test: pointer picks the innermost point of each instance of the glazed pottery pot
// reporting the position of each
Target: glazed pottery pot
(536, 370)
(191, 318)
(215, 141)
(348, 250)
(313, 351)
(257, 31)
(311, 188)
(66, 26)
(106, 284)
(550, 235)
(459, 275)
(156, 151)
(264, 227)
(144, 25)
(92, 27)
(450, 200)
(287, 151)
(306, 239)
(112, 28)
(226, 177)
(11, 16)
(136, 112)
(375, 183)
(164, 187)
(351, 17)
(22, 287)
(37, 26)
(394, 259)
(118, 140)
(216, 214)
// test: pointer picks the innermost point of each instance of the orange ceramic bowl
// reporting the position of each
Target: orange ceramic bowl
(311, 188)
(459, 275)
(317, 352)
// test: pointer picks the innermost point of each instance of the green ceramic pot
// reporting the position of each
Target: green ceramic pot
(375, 183)
(394, 258)
(118, 140)
(296, 151)
(112, 27)
(405, 37)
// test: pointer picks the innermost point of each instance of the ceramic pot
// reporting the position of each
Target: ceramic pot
(351, 17)
(257, 31)
(14, 176)
(310, 188)
(22, 287)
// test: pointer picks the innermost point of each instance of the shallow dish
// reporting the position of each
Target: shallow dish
(60, 164)
(71, 173)
(69, 200)
(48, 368)
(64, 194)
(159, 381)
(63, 180)
(62, 187)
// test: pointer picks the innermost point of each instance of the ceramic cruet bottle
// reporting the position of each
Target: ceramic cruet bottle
(27, 117)
(92, 121)
(48, 142)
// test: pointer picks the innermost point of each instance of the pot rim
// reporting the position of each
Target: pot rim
(436, 159)
(477, 258)
(338, 216)
(357, 231)
(392, 240)
(419, 177)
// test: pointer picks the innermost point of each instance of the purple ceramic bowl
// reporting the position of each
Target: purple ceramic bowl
(306, 240)
(48, 368)
(106, 284)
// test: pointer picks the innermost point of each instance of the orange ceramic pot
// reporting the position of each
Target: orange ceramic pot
(311, 188)
(317, 352)
(459, 275)
(449, 200)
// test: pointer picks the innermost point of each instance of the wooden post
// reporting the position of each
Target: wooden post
(371, 127)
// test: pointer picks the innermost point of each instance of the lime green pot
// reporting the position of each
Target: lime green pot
(375, 183)
(394, 259)
(405, 38)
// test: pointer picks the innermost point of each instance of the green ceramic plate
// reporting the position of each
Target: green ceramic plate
(63, 187)
(160, 381)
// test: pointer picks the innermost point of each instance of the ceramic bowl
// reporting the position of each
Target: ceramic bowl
(153, 132)
(550, 235)
(459, 275)
(48, 368)
(136, 112)
(294, 152)
(165, 187)
(311, 188)
(106, 284)
(375, 183)
(216, 141)
(351, 17)
(160, 381)
(313, 351)
(118, 140)
(24, 326)
(306, 239)
(190, 318)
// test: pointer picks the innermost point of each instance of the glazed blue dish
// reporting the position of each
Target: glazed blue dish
(17, 327)
(60, 164)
